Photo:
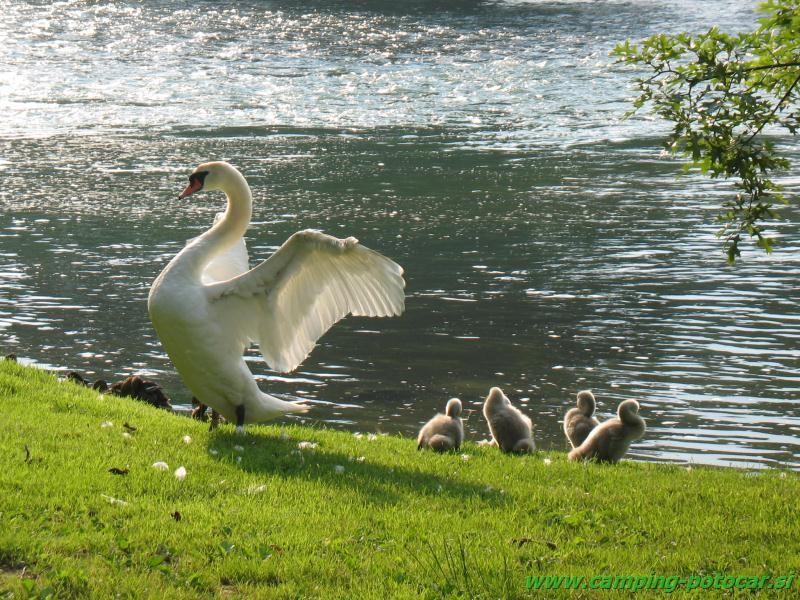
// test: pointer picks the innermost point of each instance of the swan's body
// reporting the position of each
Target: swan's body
(208, 307)
(511, 430)
(609, 441)
(579, 422)
(443, 432)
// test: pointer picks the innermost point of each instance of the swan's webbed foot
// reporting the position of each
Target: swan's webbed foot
(240, 419)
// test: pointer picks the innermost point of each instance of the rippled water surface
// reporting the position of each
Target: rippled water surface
(548, 246)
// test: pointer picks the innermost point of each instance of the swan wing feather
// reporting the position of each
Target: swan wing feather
(312, 281)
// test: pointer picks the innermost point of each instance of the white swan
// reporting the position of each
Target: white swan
(207, 307)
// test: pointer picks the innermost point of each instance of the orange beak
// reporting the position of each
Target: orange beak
(195, 185)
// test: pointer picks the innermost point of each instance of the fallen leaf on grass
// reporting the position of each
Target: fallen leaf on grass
(176, 515)
(129, 427)
(118, 471)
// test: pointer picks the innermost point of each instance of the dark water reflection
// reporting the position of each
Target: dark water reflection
(548, 246)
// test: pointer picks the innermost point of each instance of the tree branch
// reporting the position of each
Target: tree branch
(775, 109)
(772, 66)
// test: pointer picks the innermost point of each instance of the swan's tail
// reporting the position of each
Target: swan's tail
(272, 407)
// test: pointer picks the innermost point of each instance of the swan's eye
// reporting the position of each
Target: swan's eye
(198, 177)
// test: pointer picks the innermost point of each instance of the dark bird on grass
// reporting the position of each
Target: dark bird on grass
(141, 389)
(199, 413)
(76, 377)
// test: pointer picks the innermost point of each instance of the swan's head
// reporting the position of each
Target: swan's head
(453, 408)
(208, 177)
(586, 402)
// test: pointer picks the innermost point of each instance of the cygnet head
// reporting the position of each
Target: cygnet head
(209, 176)
(586, 402)
(496, 397)
(453, 408)
(628, 409)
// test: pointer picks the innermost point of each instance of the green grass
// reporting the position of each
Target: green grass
(270, 520)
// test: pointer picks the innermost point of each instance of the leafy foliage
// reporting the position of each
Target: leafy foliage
(722, 92)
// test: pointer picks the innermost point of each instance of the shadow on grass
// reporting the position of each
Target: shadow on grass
(274, 455)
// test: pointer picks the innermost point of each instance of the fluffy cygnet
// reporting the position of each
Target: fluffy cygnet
(511, 430)
(444, 431)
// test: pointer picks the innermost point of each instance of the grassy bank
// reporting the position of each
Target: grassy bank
(353, 517)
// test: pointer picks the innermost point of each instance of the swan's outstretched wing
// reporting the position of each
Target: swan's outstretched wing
(290, 300)
(229, 264)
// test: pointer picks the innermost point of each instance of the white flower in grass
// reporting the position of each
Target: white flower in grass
(161, 466)
(180, 473)
(307, 445)
(361, 459)
(372, 437)
(126, 435)
(187, 439)
(547, 461)
(213, 451)
(257, 489)
(238, 459)
(105, 424)
(338, 469)
(358, 435)
(114, 501)
(465, 457)
(238, 448)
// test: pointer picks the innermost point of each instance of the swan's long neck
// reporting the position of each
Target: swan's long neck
(229, 229)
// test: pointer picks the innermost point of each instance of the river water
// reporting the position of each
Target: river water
(548, 245)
